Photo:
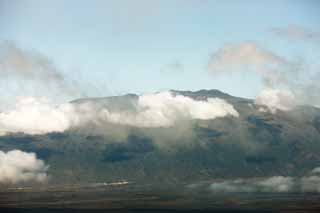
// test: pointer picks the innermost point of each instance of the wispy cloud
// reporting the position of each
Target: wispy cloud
(174, 66)
(247, 56)
(28, 72)
(27, 64)
(286, 82)
(297, 32)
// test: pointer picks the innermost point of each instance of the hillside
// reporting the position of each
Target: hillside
(255, 144)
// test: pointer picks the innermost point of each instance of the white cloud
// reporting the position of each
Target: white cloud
(164, 109)
(17, 166)
(38, 116)
(276, 184)
(309, 183)
(35, 116)
(232, 186)
(275, 99)
(273, 184)
(316, 170)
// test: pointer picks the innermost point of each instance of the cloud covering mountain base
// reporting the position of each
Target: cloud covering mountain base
(309, 183)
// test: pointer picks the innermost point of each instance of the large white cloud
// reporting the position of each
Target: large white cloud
(38, 116)
(35, 116)
(164, 109)
(275, 99)
(17, 166)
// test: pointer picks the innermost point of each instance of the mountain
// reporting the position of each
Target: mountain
(256, 143)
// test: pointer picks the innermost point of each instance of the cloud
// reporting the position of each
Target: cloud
(275, 99)
(307, 89)
(316, 170)
(175, 66)
(27, 72)
(17, 166)
(35, 116)
(165, 109)
(309, 183)
(27, 64)
(286, 82)
(273, 184)
(246, 56)
(250, 56)
(297, 32)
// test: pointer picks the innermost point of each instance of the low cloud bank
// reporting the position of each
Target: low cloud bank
(273, 184)
(35, 116)
(38, 116)
(309, 183)
(17, 166)
(164, 109)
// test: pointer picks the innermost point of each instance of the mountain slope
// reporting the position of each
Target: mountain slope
(253, 144)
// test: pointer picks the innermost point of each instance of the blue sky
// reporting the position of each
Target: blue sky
(117, 47)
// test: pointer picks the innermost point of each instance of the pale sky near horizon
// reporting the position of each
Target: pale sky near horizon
(117, 47)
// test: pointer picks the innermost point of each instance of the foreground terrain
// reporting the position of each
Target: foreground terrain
(134, 198)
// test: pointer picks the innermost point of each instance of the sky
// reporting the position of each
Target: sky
(116, 47)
